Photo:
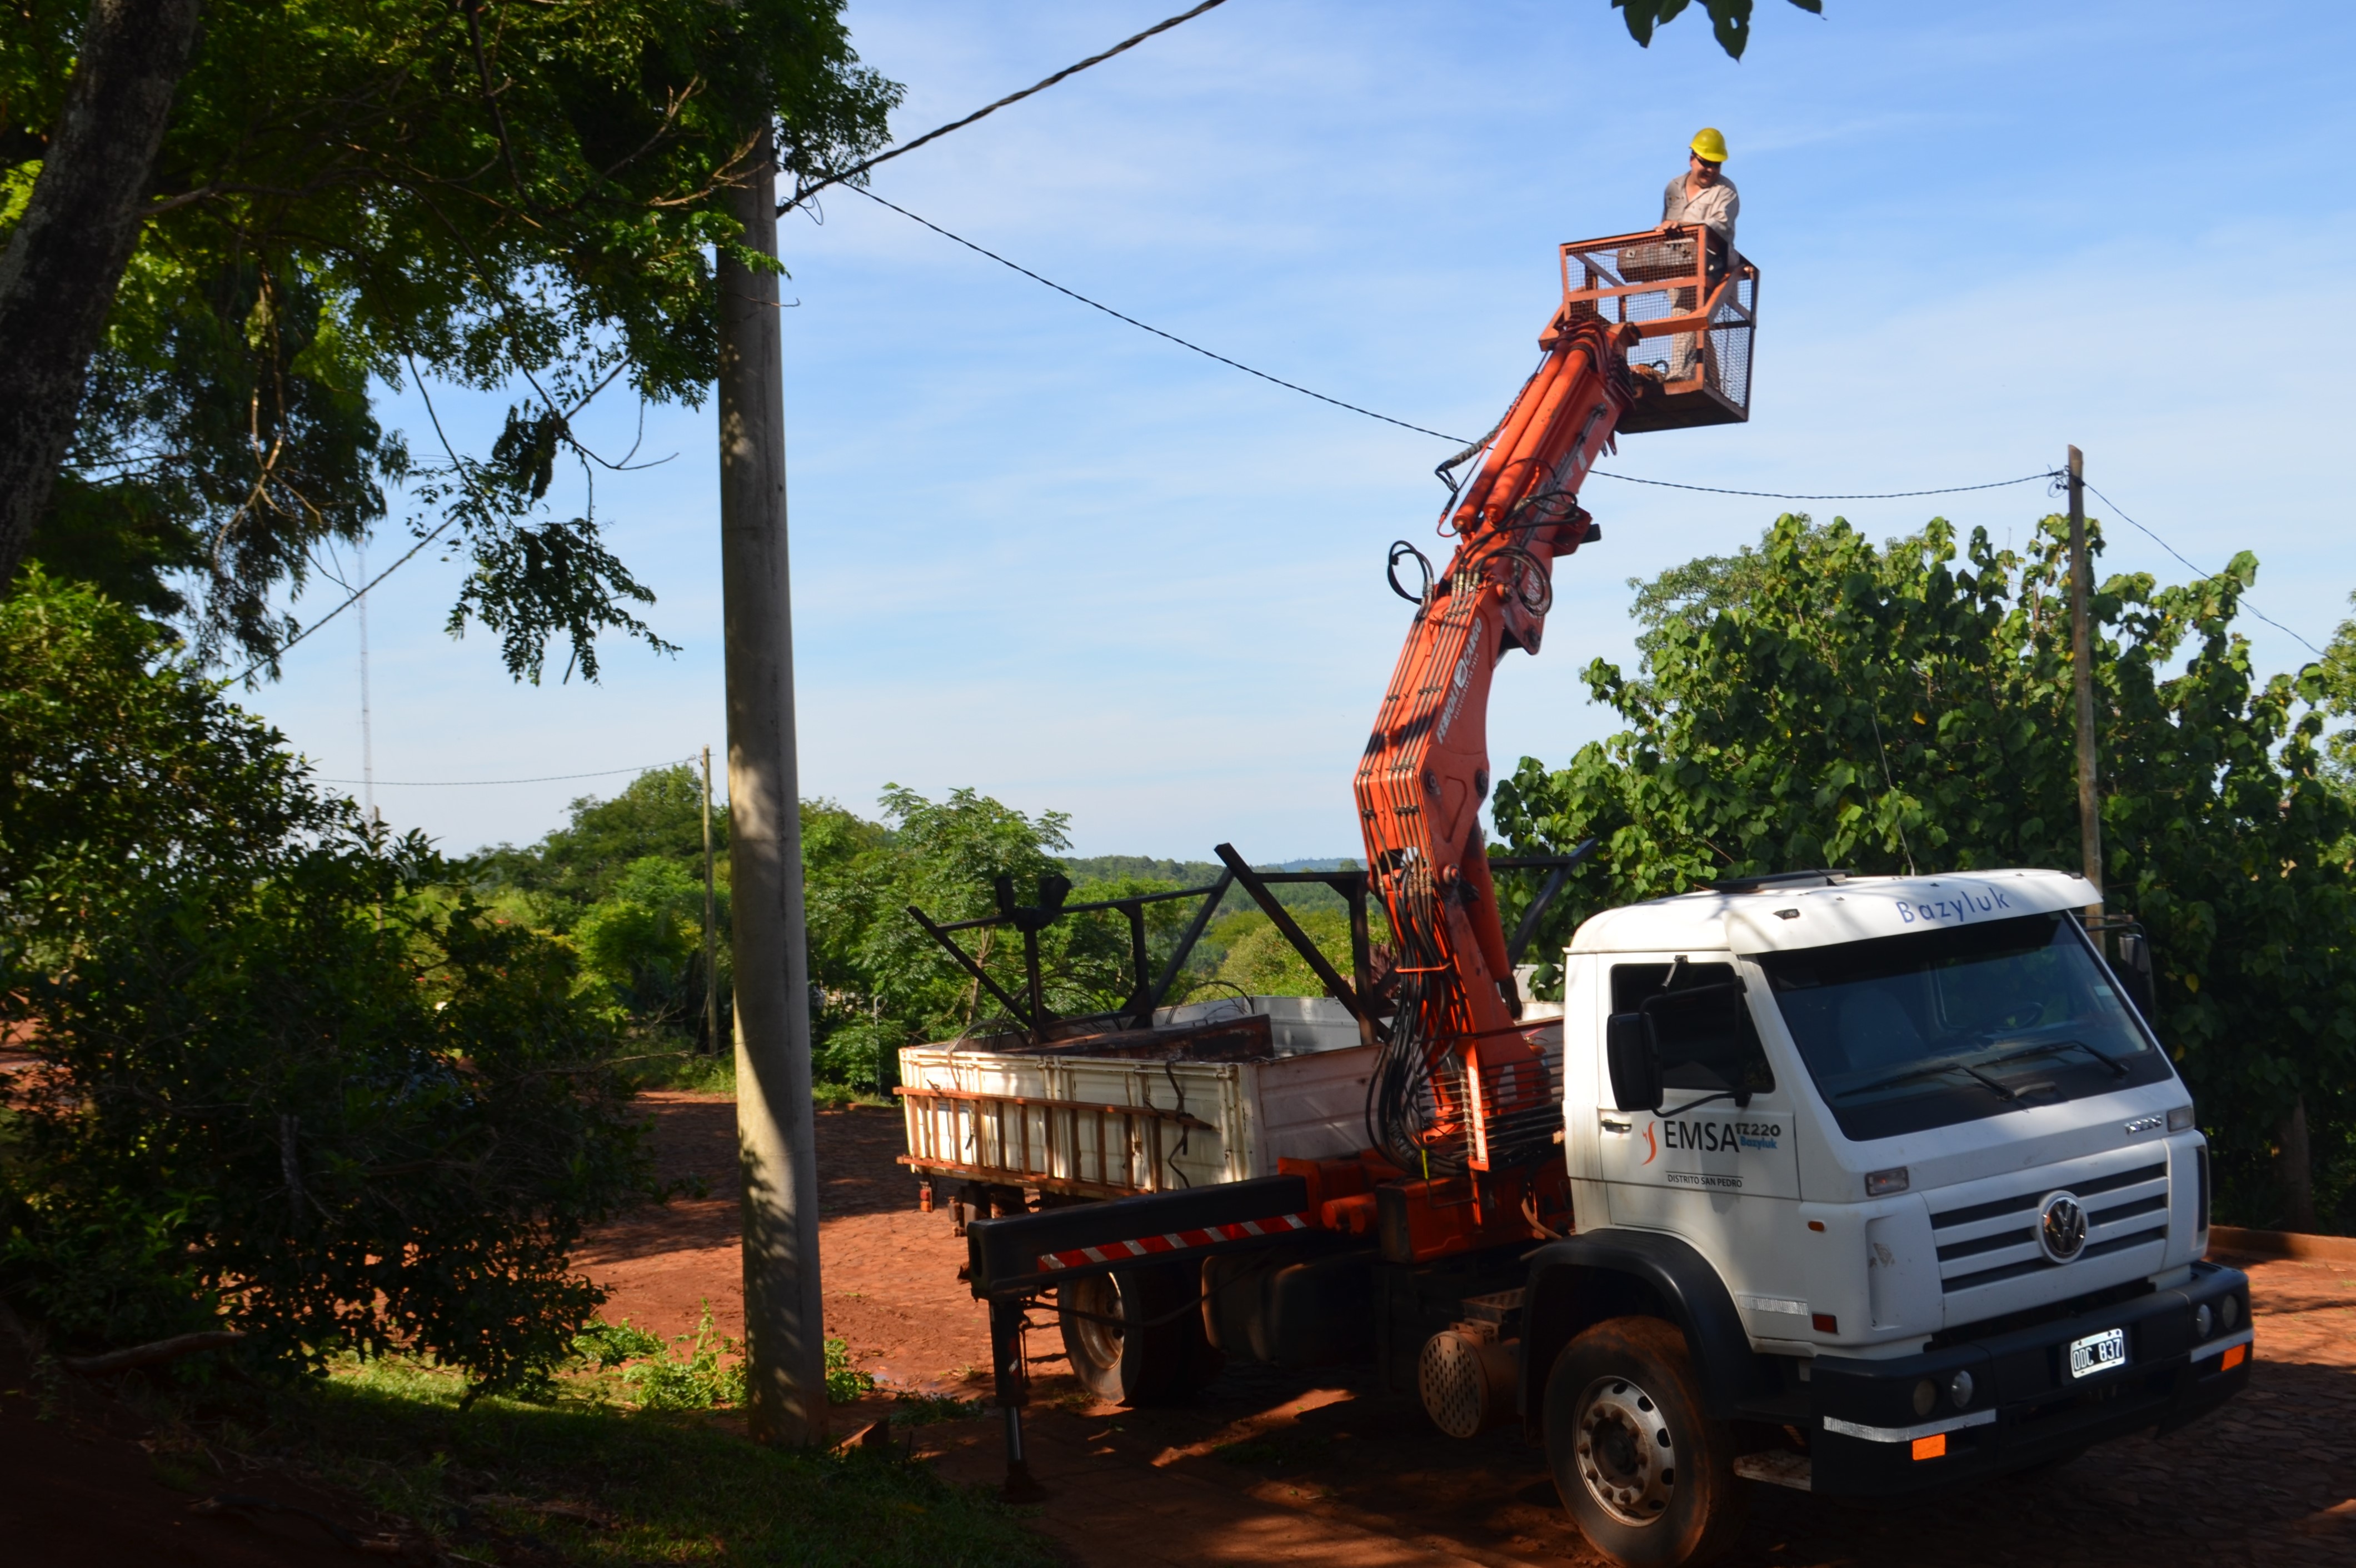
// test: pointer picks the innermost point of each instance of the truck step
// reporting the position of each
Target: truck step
(1777, 1468)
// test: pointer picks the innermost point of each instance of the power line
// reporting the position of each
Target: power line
(2204, 576)
(855, 170)
(284, 648)
(1133, 321)
(2044, 474)
(474, 783)
(1780, 496)
(1404, 424)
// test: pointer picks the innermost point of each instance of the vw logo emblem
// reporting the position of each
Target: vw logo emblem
(2062, 1227)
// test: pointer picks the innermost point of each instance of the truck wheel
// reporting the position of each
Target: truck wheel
(1122, 1363)
(1647, 1475)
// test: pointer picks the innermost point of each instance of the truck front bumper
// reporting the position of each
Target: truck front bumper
(1888, 1428)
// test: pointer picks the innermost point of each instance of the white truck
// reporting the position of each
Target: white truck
(1879, 1185)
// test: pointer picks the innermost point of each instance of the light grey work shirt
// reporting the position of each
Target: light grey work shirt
(1715, 207)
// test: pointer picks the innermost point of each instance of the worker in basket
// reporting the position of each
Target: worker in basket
(1702, 198)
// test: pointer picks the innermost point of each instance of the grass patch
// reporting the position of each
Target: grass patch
(576, 1470)
(717, 1075)
(685, 1071)
(924, 1410)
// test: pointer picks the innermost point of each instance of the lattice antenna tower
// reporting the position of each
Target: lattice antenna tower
(368, 740)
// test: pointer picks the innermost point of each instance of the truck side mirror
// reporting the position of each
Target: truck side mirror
(2134, 970)
(1632, 1054)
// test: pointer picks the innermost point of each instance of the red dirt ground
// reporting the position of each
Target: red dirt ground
(1267, 1467)
(1326, 1468)
(892, 1290)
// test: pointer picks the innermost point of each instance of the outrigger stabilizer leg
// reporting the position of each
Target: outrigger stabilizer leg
(1012, 1386)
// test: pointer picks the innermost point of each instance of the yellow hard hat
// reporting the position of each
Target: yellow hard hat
(1708, 145)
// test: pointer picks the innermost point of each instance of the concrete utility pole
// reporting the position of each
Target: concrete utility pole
(711, 925)
(2082, 661)
(783, 1332)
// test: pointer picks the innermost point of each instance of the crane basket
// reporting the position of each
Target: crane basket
(1696, 306)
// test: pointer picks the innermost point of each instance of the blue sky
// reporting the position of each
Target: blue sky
(1043, 554)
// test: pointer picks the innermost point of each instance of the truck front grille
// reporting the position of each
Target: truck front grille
(1982, 1243)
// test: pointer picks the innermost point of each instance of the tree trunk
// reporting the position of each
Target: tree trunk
(2297, 1170)
(59, 274)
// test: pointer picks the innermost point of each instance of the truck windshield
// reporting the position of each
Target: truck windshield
(1936, 1027)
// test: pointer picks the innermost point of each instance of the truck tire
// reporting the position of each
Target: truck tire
(1159, 1363)
(1649, 1477)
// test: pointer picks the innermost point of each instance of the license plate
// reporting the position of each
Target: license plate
(2098, 1352)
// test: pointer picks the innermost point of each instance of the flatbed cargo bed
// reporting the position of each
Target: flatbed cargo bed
(1211, 1092)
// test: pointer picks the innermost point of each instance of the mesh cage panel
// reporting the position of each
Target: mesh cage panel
(1690, 369)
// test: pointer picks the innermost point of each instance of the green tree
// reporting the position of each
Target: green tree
(644, 942)
(1258, 960)
(1876, 708)
(288, 1079)
(221, 241)
(659, 814)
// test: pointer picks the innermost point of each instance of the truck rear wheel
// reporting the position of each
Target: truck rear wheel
(1649, 1477)
(1119, 1351)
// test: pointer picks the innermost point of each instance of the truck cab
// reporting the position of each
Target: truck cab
(1902, 1163)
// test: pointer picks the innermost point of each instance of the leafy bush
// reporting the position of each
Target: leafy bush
(287, 1077)
(844, 1382)
(697, 1381)
(606, 1345)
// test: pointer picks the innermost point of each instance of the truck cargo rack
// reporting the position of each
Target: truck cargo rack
(1359, 992)
(988, 1138)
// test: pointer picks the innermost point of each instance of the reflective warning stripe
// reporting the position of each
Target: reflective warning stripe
(1172, 1242)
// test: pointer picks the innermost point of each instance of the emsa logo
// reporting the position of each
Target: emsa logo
(1651, 1145)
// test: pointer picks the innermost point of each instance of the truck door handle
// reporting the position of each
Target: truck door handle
(1617, 1124)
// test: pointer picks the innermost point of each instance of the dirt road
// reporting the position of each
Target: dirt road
(1328, 1470)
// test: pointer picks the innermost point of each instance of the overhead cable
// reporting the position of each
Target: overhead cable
(281, 651)
(804, 193)
(472, 783)
(2204, 576)
(1781, 496)
(1472, 447)
(1133, 321)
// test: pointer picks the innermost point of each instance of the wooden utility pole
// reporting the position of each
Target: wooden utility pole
(711, 926)
(2082, 661)
(783, 1343)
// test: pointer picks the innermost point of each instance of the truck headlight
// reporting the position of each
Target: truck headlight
(2229, 1311)
(1926, 1394)
(1960, 1389)
(2180, 1120)
(2203, 1320)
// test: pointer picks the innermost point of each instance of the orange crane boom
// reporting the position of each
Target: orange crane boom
(1461, 1089)
(1458, 1074)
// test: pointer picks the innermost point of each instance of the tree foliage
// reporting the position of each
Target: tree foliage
(285, 1078)
(1824, 703)
(1730, 20)
(510, 197)
(621, 884)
